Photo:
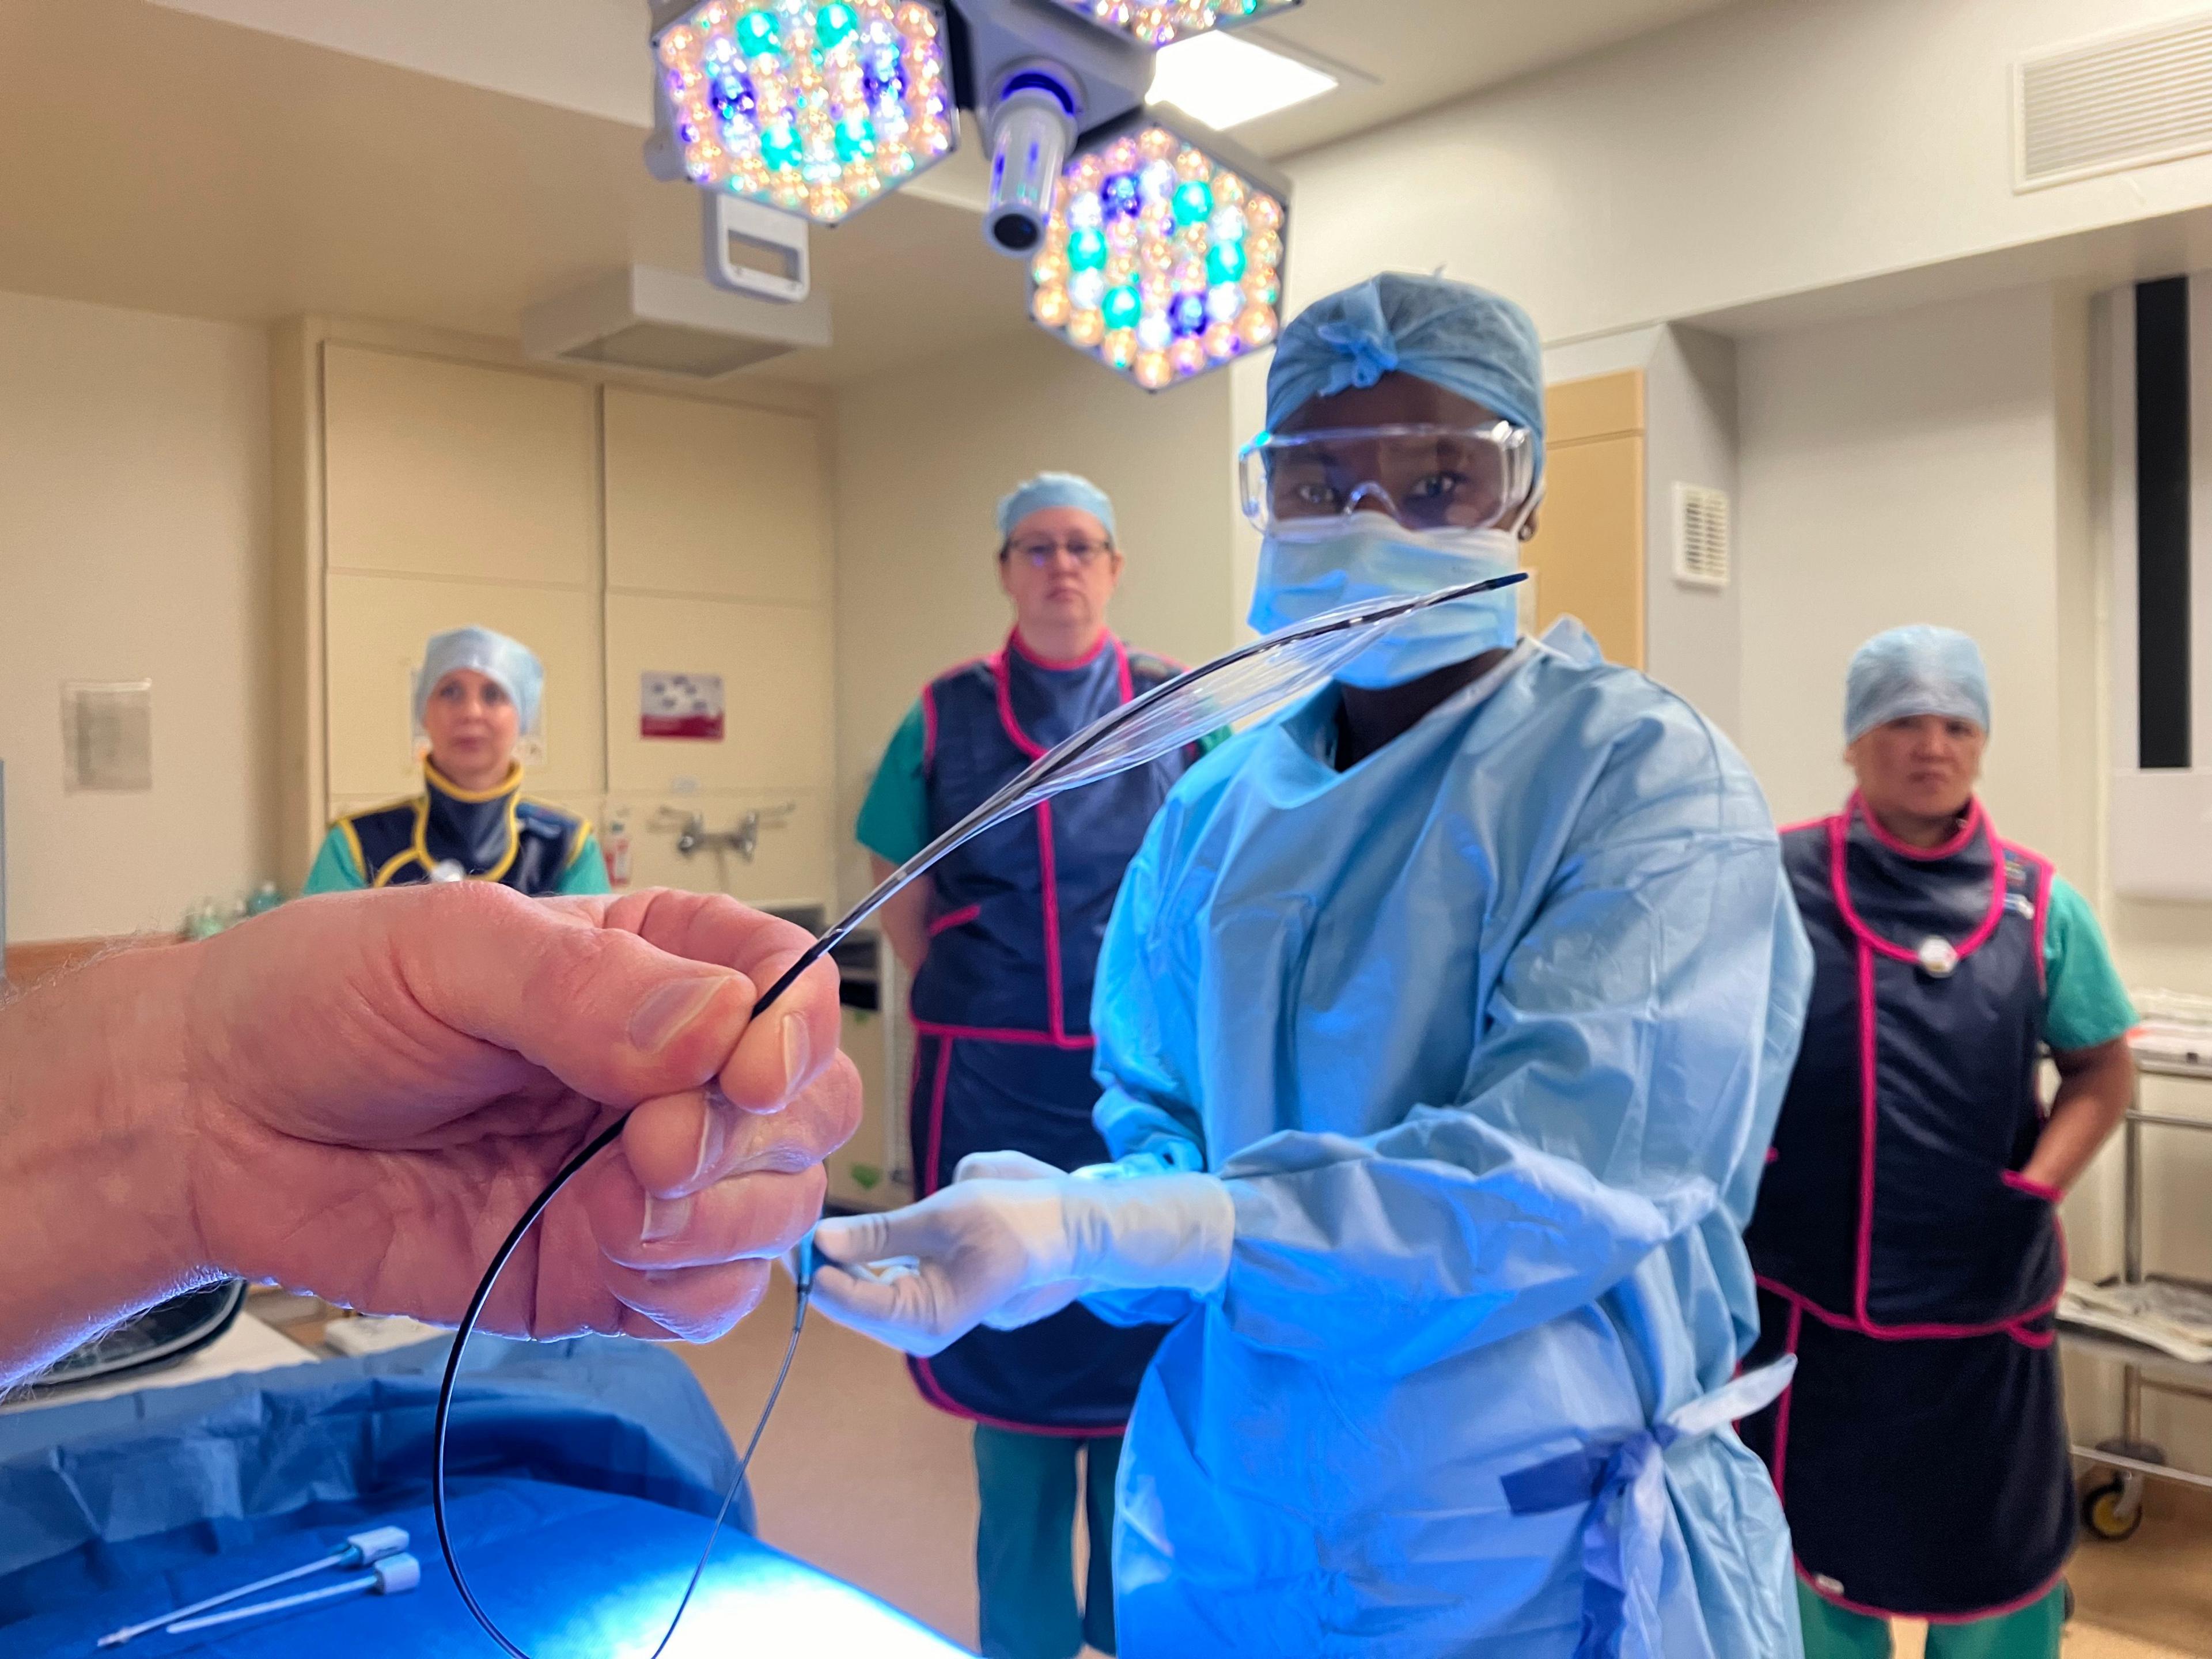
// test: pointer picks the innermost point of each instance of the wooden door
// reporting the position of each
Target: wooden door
(1587, 558)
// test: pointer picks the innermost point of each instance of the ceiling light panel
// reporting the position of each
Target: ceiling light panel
(1225, 81)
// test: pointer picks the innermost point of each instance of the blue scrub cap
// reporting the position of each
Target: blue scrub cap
(509, 663)
(1050, 490)
(1460, 337)
(1915, 670)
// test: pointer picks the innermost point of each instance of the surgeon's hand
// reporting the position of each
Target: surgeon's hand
(1012, 1240)
(359, 1095)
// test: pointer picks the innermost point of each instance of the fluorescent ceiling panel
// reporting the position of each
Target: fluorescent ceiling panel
(1225, 80)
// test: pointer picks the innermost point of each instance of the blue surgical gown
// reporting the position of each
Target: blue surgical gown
(1487, 1036)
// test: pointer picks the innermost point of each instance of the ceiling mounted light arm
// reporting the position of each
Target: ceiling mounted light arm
(1153, 244)
(1039, 75)
(755, 251)
(1032, 127)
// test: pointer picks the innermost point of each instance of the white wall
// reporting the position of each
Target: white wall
(1693, 636)
(1763, 150)
(1907, 468)
(134, 543)
(924, 456)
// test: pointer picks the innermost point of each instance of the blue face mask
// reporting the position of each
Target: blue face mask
(1308, 568)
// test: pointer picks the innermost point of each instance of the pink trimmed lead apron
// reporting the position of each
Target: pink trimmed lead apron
(1002, 1005)
(1921, 1450)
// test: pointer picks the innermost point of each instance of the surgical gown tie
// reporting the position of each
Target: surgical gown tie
(1625, 1487)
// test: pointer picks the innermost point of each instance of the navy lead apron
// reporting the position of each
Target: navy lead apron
(485, 835)
(1921, 1452)
(1002, 1005)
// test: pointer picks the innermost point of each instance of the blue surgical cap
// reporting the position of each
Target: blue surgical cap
(1915, 670)
(1462, 338)
(1050, 489)
(508, 663)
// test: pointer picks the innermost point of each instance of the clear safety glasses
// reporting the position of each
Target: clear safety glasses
(1428, 477)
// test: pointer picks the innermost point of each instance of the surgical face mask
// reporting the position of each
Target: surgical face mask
(1309, 567)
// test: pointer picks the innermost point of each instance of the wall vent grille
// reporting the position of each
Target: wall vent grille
(2126, 101)
(1701, 537)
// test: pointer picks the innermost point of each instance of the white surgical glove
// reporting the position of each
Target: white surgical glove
(1012, 1240)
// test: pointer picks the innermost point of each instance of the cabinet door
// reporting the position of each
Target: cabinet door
(773, 664)
(1586, 560)
(715, 500)
(376, 627)
(443, 469)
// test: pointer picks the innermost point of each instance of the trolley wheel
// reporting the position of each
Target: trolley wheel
(2108, 1513)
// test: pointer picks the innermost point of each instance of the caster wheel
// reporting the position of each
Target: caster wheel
(2107, 1512)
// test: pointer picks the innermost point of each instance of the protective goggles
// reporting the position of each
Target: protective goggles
(1427, 477)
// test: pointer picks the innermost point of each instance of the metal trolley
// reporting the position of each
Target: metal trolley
(2111, 1492)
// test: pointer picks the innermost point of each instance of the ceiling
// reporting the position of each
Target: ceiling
(1416, 54)
(414, 164)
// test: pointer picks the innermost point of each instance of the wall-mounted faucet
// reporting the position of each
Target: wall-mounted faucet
(745, 839)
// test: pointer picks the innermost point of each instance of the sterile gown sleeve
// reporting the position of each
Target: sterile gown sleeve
(336, 870)
(1629, 1050)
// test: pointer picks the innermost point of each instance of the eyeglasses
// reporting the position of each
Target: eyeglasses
(1039, 550)
(1425, 477)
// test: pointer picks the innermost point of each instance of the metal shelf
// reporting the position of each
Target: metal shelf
(2142, 1366)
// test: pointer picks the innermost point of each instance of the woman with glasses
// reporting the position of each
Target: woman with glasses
(1442, 1021)
(1002, 942)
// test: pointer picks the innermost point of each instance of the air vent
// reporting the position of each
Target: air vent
(1701, 537)
(2122, 102)
(666, 322)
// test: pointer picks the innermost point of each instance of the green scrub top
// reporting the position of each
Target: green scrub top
(893, 821)
(2084, 1002)
(336, 870)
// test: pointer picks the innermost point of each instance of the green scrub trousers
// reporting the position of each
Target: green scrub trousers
(2028, 1632)
(1025, 1545)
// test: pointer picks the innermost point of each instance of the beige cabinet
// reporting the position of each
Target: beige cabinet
(614, 531)
(773, 662)
(718, 563)
(715, 500)
(456, 469)
(1587, 556)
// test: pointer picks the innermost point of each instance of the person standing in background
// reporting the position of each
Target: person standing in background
(1002, 942)
(1906, 1240)
(479, 693)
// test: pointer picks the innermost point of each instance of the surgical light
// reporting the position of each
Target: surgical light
(1162, 259)
(1152, 244)
(1157, 24)
(816, 109)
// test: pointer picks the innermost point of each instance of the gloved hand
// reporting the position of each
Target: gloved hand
(1012, 1240)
